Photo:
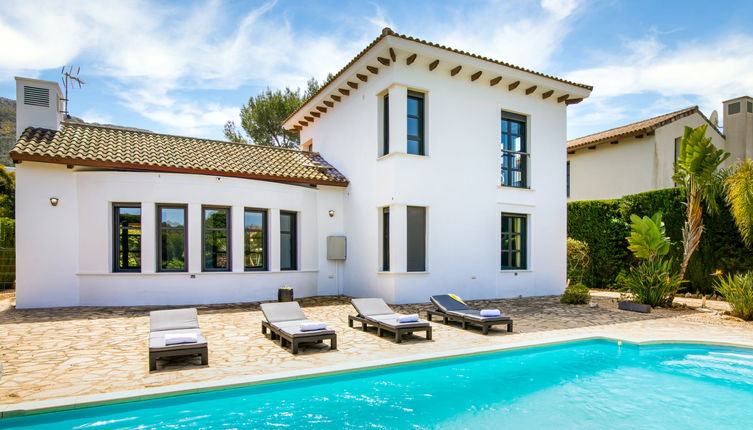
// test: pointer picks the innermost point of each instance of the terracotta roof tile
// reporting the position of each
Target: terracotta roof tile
(634, 129)
(85, 144)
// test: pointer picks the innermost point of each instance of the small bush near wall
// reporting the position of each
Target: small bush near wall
(603, 225)
(577, 294)
(7, 253)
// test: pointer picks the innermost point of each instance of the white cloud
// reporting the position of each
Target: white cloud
(94, 116)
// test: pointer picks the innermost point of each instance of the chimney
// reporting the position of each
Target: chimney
(38, 104)
(738, 127)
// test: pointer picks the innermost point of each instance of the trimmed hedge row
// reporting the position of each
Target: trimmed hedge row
(604, 224)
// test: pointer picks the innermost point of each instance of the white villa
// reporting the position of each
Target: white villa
(424, 170)
(640, 156)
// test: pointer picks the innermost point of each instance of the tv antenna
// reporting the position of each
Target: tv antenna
(70, 79)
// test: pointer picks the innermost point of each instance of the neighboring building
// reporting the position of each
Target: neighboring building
(640, 157)
(447, 180)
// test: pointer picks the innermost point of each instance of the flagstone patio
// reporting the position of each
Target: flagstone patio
(51, 353)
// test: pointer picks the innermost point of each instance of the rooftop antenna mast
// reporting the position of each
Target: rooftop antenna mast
(70, 79)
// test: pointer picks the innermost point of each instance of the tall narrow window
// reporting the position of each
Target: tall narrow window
(215, 240)
(416, 239)
(386, 239)
(678, 143)
(127, 241)
(288, 239)
(171, 233)
(415, 123)
(567, 179)
(255, 239)
(386, 125)
(514, 166)
(514, 241)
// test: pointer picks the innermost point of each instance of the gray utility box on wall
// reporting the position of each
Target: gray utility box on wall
(336, 247)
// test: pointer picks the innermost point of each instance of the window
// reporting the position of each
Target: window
(386, 239)
(255, 239)
(288, 233)
(750, 107)
(386, 125)
(733, 108)
(416, 239)
(567, 179)
(513, 241)
(215, 239)
(678, 146)
(171, 234)
(514, 151)
(415, 123)
(127, 241)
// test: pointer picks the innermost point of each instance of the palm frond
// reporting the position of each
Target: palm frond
(739, 196)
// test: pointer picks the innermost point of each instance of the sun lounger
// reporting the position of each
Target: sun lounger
(375, 312)
(175, 332)
(284, 320)
(452, 309)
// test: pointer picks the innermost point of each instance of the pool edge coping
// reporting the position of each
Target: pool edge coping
(37, 407)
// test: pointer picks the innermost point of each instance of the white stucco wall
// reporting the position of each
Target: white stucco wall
(633, 165)
(64, 253)
(457, 181)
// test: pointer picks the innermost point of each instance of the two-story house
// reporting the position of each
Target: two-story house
(449, 177)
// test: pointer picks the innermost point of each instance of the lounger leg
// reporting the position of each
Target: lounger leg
(485, 329)
(428, 333)
(364, 326)
(350, 322)
(333, 343)
(445, 320)
(379, 331)
(398, 337)
(152, 362)
(263, 329)
(463, 325)
(294, 347)
(428, 315)
(509, 327)
(205, 357)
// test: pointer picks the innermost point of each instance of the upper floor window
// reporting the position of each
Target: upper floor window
(171, 236)
(288, 241)
(514, 241)
(386, 239)
(386, 124)
(255, 239)
(416, 243)
(567, 179)
(216, 239)
(416, 144)
(127, 241)
(514, 164)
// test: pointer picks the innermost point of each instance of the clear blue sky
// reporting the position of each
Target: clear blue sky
(186, 67)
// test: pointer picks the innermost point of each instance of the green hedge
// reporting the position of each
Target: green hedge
(603, 224)
(7, 233)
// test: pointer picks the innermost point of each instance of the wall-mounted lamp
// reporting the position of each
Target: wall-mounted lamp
(54, 201)
(331, 213)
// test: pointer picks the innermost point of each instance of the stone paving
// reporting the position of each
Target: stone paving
(51, 353)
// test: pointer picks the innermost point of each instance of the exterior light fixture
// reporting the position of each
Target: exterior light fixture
(54, 201)
(331, 213)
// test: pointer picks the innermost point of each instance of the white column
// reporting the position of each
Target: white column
(236, 237)
(398, 238)
(273, 229)
(148, 237)
(194, 238)
(398, 118)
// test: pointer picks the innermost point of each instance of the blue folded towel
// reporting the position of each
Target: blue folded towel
(490, 312)
(312, 326)
(407, 318)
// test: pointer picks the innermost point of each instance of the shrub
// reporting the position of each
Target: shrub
(577, 294)
(651, 282)
(578, 260)
(647, 238)
(738, 290)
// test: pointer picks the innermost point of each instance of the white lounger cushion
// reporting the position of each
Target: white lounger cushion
(313, 325)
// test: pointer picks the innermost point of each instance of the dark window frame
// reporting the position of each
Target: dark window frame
(412, 265)
(294, 239)
(160, 228)
(567, 178)
(386, 124)
(265, 242)
(227, 229)
(506, 173)
(386, 239)
(510, 251)
(421, 118)
(734, 108)
(750, 107)
(116, 236)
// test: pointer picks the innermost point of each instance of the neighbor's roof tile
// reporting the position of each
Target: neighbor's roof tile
(85, 144)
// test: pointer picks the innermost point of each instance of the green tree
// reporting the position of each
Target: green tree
(695, 170)
(262, 117)
(738, 188)
(7, 193)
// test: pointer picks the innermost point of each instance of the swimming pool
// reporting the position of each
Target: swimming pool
(586, 384)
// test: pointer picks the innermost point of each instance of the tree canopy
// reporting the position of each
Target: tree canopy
(261, 118)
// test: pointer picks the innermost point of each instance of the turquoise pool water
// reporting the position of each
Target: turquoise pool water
(593, 384)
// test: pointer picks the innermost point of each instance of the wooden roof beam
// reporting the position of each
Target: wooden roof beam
(353, 85)
(573, 101)
(309, 118)
(561, 99)
(475, 76)
(547, 94)
(303, 123)
(455, 70)
(529, 90)
(362, 77)
(495, 81)
(335, 97)
(315, 114)
(343, 91)
(433, 65)
(411, 58)
(372, 69)
(328, 103)
(321, 109)
(513, 85)
(392, 55)
(385, 61)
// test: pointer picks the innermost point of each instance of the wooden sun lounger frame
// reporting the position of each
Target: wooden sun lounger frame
(154, 355)
(381, 327)
(293, 341)
(465, 322)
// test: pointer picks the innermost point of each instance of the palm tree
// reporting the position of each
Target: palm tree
(695, 170)
(738, 188)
